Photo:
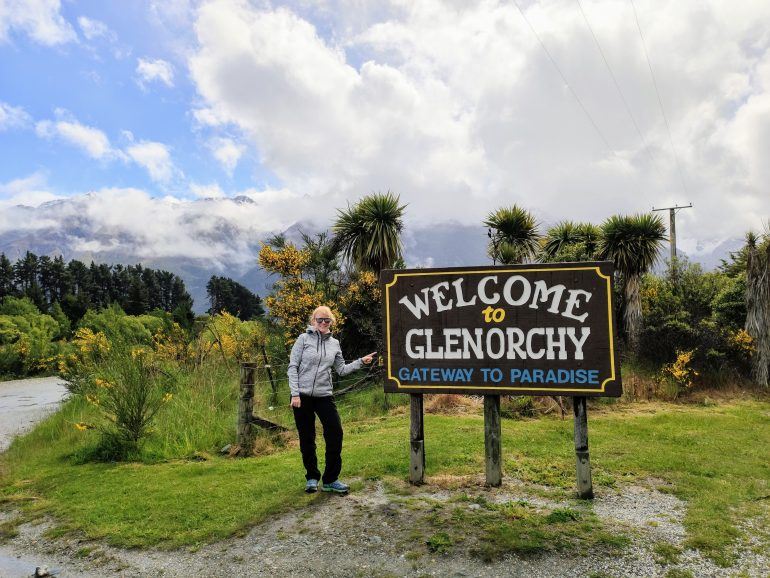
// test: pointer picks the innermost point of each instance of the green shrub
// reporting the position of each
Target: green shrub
(439, 543)
(128, 388)
(117, 326)
(517, 406)
(691, 310)
(27, 338)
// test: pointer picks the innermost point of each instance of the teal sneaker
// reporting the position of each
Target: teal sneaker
(311, 487)
(337, 487)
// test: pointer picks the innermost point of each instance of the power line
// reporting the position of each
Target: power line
(617, 86)
(564, 80)
(660, 101)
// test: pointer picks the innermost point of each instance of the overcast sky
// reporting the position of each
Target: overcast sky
(458, 106)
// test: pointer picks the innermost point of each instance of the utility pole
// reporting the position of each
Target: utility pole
(672, 226)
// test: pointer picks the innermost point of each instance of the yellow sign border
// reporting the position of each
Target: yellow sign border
(504, 389)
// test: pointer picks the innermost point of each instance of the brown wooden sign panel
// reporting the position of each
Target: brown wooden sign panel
(540, 329)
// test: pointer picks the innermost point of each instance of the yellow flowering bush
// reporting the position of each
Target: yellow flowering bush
(680, 372)
(741, 341)
(360, 302)
(29, 339)
(287, 261)
(127, 389)
(88, 342)
(231, 338)
(291, 305)
(173, 345)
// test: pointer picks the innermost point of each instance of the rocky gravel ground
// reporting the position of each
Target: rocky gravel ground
(371, 532)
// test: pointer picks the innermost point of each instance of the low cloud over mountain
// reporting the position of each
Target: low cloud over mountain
(214, 236)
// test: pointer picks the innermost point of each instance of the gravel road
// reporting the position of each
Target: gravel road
(371, 533)
(23, 402)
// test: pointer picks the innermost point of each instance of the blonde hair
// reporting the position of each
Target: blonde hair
(326, 313)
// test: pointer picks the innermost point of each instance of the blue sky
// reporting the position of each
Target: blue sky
(459, 107)
(94, 80)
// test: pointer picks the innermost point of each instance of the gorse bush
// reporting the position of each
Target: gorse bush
(128, 389)
(232, 340)
(129, 382)
(113, 322)
(31, 342)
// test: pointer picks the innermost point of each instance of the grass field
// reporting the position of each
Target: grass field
(715, 457)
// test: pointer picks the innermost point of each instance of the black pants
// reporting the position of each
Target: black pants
(304, 417)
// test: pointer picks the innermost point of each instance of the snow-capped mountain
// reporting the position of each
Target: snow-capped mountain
(221, 236)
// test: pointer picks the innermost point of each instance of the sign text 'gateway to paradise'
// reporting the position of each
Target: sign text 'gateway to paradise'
(515, 329)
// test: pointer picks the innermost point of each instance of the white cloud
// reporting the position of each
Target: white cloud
(89, 139)
(227, 152)
(456, 106)
(41, 20)
(154, 70)
(212, 191)
(92, 29)
(30, 191)
(12, 117)
(137, 226)
(155, 158)
(207, 117)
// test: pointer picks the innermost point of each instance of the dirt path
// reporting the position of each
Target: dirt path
(380, 531)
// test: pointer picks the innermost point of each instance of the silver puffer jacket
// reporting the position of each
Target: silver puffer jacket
(310, 365)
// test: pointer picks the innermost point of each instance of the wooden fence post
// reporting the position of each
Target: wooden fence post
(492, 435)
(417, 439)
(245, 436)
(585, 487)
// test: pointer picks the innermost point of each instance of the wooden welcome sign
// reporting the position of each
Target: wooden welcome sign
(539, 329)
(544, 329)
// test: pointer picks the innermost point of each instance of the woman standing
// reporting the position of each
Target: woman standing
(314, 354)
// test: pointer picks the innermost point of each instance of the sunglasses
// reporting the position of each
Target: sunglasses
(323, 319)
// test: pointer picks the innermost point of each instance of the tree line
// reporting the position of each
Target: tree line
(227, 295)
(686, 323)
(76, 287)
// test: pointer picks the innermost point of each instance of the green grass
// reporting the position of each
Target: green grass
(715, 458)
(666, 553)
(439, 543)
(518, 527)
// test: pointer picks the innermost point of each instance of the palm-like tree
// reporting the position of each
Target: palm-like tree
(758, 304)
(368, 234)
(513, 235)
(569, 241)
(632, 243)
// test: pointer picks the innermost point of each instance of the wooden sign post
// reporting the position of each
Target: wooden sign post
(540, 329)
(417, 440)
(585, 488)
(492, 445)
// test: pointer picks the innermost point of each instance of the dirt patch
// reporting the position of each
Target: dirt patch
(389, 528)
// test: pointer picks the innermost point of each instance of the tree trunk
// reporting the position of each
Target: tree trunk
(632, 316)
(758, 310)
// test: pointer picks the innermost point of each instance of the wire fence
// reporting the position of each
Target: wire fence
(271, 396)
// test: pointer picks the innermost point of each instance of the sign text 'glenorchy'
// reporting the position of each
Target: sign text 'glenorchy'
(541, 329)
